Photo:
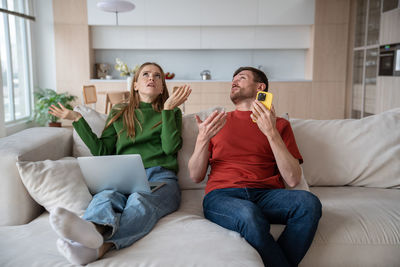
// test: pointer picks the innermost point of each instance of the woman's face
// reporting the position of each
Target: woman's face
(149, 84)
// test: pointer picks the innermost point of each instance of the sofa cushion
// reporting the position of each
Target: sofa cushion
(183, 238)
(189, 136)
(56, 183)
(364, 152)
(39, 143)
(96, 121)
(359, 227)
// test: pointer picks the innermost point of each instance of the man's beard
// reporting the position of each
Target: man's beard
(239, 96)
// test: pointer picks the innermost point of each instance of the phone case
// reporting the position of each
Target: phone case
(265, 98)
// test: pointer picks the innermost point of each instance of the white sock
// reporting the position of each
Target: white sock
(76, 253)
(70, 226)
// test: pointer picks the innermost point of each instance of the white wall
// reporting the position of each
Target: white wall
(279, 64)
(43, 50)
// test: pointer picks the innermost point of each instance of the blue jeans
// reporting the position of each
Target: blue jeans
(250, 212)
(130, 217)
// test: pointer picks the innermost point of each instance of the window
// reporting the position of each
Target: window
(15, 60)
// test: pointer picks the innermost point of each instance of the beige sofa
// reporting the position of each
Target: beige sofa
(353, 166)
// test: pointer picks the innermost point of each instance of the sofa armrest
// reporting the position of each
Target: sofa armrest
(34, 144)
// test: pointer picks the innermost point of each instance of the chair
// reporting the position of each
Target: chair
(89, 95)
(113, 98)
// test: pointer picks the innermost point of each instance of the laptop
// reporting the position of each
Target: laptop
(123, 173)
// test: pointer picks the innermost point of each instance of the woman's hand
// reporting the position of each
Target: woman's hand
(177, 98)
(210, 126)
(265, 118)
(64, 113)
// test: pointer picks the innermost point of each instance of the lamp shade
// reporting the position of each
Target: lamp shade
(115, 6)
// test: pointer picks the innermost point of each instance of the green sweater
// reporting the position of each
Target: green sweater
(158, 145)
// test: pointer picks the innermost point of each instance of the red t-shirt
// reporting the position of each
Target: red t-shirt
(242, 157)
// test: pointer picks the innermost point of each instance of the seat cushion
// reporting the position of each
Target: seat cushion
(183, 238)
(359, 227)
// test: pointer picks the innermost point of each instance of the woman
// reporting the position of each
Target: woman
(149, 125)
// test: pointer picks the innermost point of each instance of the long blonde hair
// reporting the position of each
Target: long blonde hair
(128, 110)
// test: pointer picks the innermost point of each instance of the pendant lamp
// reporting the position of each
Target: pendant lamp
(115, 6)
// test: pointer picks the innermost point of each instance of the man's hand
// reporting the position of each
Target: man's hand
(178, 97)
(198, 162)
(64, 113)
(265, 119)
(211, 126)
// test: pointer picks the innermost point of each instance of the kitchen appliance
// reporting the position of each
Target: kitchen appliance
(205, 75)
(389, 60)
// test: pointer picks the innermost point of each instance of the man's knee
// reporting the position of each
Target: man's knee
(311, 204)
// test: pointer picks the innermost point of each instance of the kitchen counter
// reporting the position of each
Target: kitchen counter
(191, 81)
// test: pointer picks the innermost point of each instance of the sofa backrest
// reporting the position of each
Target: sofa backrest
(189, 136)
(34, 144)
(364, 152)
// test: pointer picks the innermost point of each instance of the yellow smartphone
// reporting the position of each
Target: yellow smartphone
(265, 98)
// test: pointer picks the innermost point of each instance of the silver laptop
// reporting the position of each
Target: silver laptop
(123, 173)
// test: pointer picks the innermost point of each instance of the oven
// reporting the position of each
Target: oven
(389, 60)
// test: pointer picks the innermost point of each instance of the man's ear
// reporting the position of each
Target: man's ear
(261, 87)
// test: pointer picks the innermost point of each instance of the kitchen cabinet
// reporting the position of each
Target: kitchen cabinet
(201, 37)
(208, 13)
(365, 58)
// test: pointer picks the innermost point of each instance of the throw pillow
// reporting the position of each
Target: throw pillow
(96, 121)
(351, 152)
(189, 136)
(57, 183)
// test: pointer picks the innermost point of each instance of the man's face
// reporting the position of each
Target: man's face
(243, 87)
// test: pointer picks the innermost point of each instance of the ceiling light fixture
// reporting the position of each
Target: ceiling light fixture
(115, 6)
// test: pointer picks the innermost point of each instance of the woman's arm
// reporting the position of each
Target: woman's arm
(171, 118)
(105, 145)
(171, 129)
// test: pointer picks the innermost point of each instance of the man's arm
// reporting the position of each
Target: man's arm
(198, 162)
(288, 165)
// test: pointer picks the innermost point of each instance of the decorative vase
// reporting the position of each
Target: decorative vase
(129, 80)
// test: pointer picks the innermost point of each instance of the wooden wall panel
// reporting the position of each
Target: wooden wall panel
(72, 49)
(330, 59)
(389, 29)
(327, 100)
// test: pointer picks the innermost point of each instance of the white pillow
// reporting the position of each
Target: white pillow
(189, 136)
(96, 121)
(363, 152)
(56, 183)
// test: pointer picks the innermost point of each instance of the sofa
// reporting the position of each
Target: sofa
(353, 166)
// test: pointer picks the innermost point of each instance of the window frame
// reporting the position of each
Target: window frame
(23, 28)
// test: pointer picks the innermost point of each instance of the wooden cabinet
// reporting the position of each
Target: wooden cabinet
(208, 13)
(365, 58)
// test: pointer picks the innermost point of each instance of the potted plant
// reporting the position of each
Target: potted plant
(44, 98)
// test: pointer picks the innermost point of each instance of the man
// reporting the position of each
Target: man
(250, 161)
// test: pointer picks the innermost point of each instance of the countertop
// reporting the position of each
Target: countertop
(190, 81)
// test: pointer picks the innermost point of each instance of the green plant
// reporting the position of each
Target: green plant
(44, 98)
